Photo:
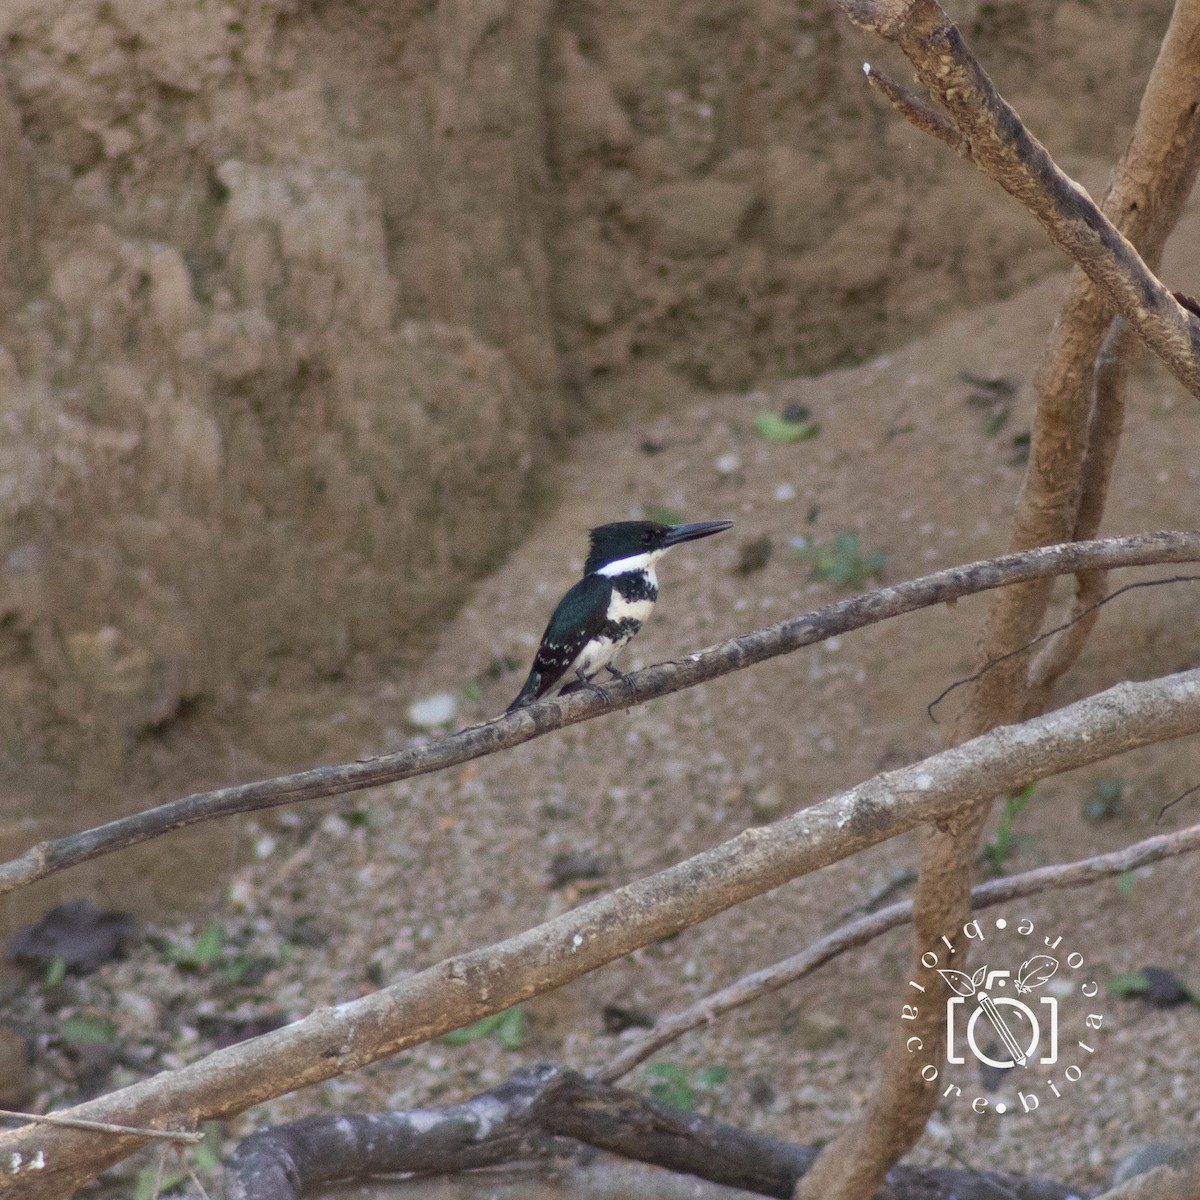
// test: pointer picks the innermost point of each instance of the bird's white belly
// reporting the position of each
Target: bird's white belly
(593, 658)
(620, 609)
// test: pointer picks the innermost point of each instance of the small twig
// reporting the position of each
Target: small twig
(1171, 804)
(857, 933)
(919, 112)
(166, 1135)
(195, 1179)
(1001, 1189)
(1049, 633)
(885, 891)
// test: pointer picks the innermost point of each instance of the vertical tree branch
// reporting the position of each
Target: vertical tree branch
(1075, 435)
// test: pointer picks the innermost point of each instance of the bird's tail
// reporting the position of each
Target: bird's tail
(528, 694)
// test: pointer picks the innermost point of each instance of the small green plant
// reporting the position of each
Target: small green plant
(56, 972)
(1130, 983)
(202, 954)
(79, 1029)
(507, 1027)
(1105, 803)
(1005, 842)
(204, 1157)
(664, 516)
(209, 955)
(777, 428)
(1125, 882)
(841, 561)
(674, 1086)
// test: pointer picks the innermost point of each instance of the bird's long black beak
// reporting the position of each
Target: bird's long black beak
(697, 529)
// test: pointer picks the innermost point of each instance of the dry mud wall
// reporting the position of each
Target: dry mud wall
(300, 299)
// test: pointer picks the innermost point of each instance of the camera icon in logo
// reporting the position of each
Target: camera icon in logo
(1026, 1032)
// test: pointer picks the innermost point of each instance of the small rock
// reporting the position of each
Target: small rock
(619, 1017)
(768, 803)
(760, 1090)
(75, 933)
(727, 464)
(573, 865)
(1143, 1159)
(754, 555)
(1164, 989)
(784, 492)
(433, 712)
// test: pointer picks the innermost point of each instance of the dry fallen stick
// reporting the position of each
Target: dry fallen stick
(166, 1135)
(531, 1115)
(857, 933)
(461, 990)
(513, 729)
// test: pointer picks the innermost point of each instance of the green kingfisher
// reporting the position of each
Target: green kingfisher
(599, 615)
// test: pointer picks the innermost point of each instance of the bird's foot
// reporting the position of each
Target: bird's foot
(615, 673)
(584, 681)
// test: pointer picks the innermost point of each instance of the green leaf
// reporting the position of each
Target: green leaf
(664, 516)
(508, 1027)
(673, 1087)
(87, 1029)
(1132, 983)
(1004, 844)
(510, 1032)
(1125, 882)
(56, 972)
(472, 691)
(149, 1185)
(779, 429)
(711, 1076)
(205, 1158)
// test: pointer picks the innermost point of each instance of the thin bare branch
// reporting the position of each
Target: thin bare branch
(918, 111)
(1004, 150)
(1105, 425)
(513, 729)
(461, 990)
(857, 933)
(142, 1131)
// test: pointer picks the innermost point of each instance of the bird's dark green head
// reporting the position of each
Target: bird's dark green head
(641, 543)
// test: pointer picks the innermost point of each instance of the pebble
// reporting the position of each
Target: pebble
(727, 464)
(784, 492)
(433, 712)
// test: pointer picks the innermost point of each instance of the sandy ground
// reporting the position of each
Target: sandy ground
(344, 895)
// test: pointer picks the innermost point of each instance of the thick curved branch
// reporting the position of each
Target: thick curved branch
(513, 729)
(533, 1112)
(866, 929)
(461, 990)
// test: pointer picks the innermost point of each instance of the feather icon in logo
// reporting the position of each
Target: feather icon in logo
(1034, 972)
